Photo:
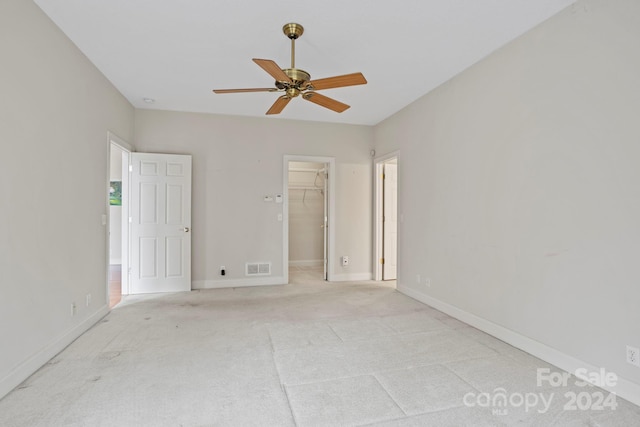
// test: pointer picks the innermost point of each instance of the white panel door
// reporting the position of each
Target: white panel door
(325, 222)
(390, 222)
(160, 223)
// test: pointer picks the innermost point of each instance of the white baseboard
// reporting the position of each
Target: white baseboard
(237, 283)
(267, 281)
(25, 369)
(624, 388)
(350, 277)
(306, 263)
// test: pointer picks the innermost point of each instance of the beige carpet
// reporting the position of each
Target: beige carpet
(307, 354)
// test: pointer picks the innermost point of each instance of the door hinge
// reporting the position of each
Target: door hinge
(383, 176)
(381, 260)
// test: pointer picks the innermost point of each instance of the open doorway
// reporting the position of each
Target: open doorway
(308, 217)
(386, 217)
(118, 234)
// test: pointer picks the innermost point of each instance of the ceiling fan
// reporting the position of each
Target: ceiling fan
(294, 81)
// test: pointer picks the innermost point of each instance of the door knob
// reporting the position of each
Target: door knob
(186, 229)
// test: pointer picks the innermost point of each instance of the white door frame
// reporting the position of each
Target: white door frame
(331, 177)
(113, 139)
(378, 198)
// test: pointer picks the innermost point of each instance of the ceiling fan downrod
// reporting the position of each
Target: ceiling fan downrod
(293, 31)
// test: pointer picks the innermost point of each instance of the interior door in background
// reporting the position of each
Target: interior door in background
(325, 221)
(160, 223)
(390, 222)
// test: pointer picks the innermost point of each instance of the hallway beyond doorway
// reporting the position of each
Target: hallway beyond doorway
(115, 284)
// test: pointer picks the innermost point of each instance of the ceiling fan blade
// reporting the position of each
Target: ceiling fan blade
(325, 102)
(279, 105)
(266, 89)
(339, 81)
(272, 68)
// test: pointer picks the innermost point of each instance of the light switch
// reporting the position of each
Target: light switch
(279, 217)
(278, 198)
(268, 199)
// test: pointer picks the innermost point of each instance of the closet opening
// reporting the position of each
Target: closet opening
(308, 218)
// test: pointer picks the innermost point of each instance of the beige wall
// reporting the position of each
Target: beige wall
(55, 111)
(519, 186)
(236, 162)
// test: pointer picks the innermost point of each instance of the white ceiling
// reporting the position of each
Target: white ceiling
(176, 52)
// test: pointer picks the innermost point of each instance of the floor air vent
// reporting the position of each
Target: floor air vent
(258, 268)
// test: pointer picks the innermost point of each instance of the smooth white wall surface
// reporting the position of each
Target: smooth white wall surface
(520, 186)
(55, 111)
(115, 163)
(306, 213)
(236, 162)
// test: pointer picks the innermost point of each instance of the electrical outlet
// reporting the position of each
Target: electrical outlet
(88, 300)
(633, 355)
(73, 309)
(345, 260)
(222, 270)
(427, 282)
(418, 279)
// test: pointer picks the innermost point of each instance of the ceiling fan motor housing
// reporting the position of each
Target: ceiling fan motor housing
(299, 80)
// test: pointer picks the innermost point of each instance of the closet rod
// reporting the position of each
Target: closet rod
(306, 170)
(302, 187)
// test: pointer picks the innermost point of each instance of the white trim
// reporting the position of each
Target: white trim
(237, 283)
(378, 164)
(112, 138)
(127, 149)
(37, 360)
(306, 263)
(378, 198)
(331, 162)
(386, 157)
(351, 277)
(126, 225)
(624, 388)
